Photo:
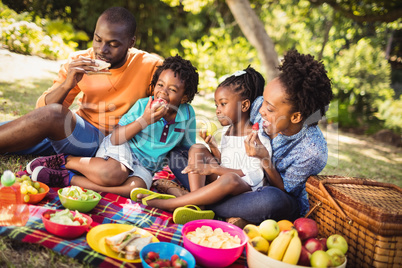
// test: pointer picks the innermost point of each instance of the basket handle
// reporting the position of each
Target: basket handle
(333, 202)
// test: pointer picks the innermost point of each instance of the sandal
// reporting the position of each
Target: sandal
(186, 214)
(163, 185)
(151, 195)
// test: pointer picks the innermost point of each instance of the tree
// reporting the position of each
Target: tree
(254, 30)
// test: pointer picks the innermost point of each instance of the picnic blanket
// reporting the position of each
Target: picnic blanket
(111, 209)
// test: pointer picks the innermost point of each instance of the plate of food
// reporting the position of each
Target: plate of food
(120, 241)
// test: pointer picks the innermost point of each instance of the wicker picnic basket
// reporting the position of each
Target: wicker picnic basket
(367, 213)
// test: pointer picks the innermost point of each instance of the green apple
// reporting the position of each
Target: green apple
(320, 258)
(269, 229)
(337, 256)
(337, 241)
(209, 127)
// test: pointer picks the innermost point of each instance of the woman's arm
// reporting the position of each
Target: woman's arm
(255, 148)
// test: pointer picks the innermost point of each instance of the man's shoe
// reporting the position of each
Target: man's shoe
(53, 162)
(51, 177)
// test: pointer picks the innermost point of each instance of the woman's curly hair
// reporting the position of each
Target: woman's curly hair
(307, 85)
(185, 71)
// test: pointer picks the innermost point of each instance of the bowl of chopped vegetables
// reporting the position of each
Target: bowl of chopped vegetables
(66, 223)
(77, 198)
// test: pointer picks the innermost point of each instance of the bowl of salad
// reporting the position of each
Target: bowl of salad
(78, 198)
(66, 223)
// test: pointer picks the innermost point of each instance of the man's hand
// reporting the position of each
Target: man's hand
(76, 70)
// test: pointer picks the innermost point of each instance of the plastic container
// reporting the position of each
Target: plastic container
(166, 251)
(13, 210)
(214, 257)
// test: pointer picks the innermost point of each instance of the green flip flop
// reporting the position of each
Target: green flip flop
(151, 195)
(186, 214)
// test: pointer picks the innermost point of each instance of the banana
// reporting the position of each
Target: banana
(260, 244)
(293, 251)
(279, 245)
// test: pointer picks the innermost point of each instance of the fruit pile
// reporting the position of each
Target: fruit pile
(297, 243)
(29, 187)
(153, 260)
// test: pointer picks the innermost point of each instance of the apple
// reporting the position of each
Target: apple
(324, 243)
(210, 128)
(269, 229)
(320, 258)
(313, 244)
(337, 241)
(304, 259)
(251, 230)
(306, 228)
(337, 256)
(160, 103)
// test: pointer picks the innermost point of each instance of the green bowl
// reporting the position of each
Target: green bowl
(80, 205)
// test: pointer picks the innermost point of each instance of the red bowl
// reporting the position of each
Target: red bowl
(65, 231)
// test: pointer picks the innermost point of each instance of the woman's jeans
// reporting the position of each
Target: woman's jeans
(267, 202)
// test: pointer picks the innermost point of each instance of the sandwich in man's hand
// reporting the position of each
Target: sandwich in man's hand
(102, 68)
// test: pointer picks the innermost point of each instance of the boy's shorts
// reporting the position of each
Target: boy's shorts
(124, 155)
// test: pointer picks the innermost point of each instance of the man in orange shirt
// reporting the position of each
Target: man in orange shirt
(53, 127)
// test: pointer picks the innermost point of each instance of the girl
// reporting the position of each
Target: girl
(230, 171)
(129, 156)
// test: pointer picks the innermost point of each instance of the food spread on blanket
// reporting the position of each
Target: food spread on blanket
(128, 244)
(78, 193)
(207, 237)
(153, 260)
(66, 217)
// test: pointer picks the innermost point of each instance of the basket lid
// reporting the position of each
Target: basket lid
(376, 203)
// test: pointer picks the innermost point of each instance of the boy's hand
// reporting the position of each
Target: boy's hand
(153, 113)
(254, 147)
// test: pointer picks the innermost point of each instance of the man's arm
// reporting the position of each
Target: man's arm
(69, 75)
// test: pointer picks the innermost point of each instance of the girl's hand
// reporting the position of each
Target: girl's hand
(210, 140)
(151, 115)
(255, 148)
(201, 169)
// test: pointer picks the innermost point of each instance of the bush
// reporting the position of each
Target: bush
(19, 35)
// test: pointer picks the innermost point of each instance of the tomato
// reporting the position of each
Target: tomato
(46, 216)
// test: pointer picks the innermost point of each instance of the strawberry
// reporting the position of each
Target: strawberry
(180, 263)
(153, 256)
(174, 258)
(256, 126)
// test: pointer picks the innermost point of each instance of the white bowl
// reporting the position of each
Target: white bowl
(256, 259)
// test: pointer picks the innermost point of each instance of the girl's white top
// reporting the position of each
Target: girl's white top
(233, 155)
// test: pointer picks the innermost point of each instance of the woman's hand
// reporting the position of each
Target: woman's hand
(255, 148)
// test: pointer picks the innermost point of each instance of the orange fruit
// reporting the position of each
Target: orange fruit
(285, 225)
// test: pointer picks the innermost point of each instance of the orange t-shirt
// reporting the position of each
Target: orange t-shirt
(106, 98)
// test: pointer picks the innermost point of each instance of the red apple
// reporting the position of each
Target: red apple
(324, 243)
(160, 103)
(313, 244)
(304, 259)
(306, 228)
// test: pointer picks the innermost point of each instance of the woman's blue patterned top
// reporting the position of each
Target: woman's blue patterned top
(296, 157)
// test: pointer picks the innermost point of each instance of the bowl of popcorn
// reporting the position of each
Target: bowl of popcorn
(213, 243)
